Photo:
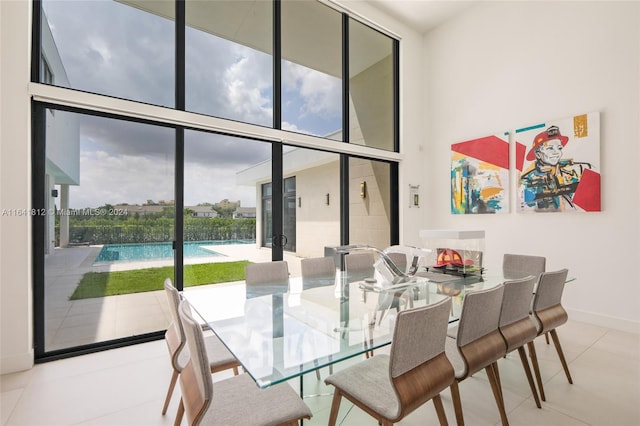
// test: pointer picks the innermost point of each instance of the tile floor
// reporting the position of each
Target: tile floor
(127, 386)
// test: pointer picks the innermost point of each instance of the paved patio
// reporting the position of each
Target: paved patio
(76, 322)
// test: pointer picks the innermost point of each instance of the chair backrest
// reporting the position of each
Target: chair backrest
(516, 300)
(318, 267)
(419, 335)
(516, 326)
(195, 379)
(550, 288)
(419, 369)
(479, 339)
(175, 334)
(480, 314)
(522, 265)
(355, 262)
(266, 272)
(265, 278)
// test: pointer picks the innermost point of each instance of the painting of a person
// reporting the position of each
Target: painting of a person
(551, 181)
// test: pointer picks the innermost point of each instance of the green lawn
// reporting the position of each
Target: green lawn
(100, 284)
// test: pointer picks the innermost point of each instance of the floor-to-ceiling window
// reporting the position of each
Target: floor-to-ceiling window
(209, 132)
(108, 229)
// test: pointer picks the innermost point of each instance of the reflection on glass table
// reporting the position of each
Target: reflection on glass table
(282, 331)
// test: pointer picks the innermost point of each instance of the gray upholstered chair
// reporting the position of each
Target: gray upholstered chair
(389, 387)
(549, 314)
(522, 265)
(218, 355)
(233, 401)
(264, 278)
(317, 271)
(266, 272)
(360, 264)
(478, 344)
(317, 267)
(517, 327)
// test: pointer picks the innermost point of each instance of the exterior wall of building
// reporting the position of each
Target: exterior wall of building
(369, 122)
(369, 215)
(63, 129)
(318, 224)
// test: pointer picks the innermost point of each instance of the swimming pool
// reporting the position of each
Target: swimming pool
(137, 252)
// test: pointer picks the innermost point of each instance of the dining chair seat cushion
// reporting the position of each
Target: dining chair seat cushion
(219, 356)
(455, 358)
(369, 380)
(238, 401)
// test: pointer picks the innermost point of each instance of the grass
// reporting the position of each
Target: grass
(100, 284)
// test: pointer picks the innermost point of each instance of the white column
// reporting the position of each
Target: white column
(16, 340)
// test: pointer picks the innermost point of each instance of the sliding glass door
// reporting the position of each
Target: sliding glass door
(107, 217)
(223, 177)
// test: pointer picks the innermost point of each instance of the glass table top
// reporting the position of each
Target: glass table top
(279, 331)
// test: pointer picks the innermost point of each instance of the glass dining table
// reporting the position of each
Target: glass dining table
(283, 330)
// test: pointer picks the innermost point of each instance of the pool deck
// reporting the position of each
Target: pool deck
(75, 322)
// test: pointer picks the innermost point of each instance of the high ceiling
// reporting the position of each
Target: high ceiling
(422, 15)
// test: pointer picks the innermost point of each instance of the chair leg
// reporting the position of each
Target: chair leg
(179, 414)
(457, 404)
(536, 368)
(497, 392)
(335, 407)
(442, 417)
(497, 374)
(172, 385)
(527, 371)
(235, 371)
(546, 337)
(556, 342)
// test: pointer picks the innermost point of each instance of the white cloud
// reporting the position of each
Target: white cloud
(105, 178)
(248, 87)
(321, 93)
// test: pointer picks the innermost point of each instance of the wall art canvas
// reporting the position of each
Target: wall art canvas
(480, 176)
(559, 165)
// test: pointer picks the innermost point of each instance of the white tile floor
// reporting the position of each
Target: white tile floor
(127, 386)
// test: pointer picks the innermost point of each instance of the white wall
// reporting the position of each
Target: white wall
(503, 65)
(15, 188)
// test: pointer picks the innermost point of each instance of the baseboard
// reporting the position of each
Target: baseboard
(605, 321)
(15, 363)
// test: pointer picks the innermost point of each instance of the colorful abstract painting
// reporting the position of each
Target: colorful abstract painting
(480, 176)
(559, 165)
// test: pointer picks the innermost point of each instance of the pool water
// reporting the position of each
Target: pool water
(114, 253)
